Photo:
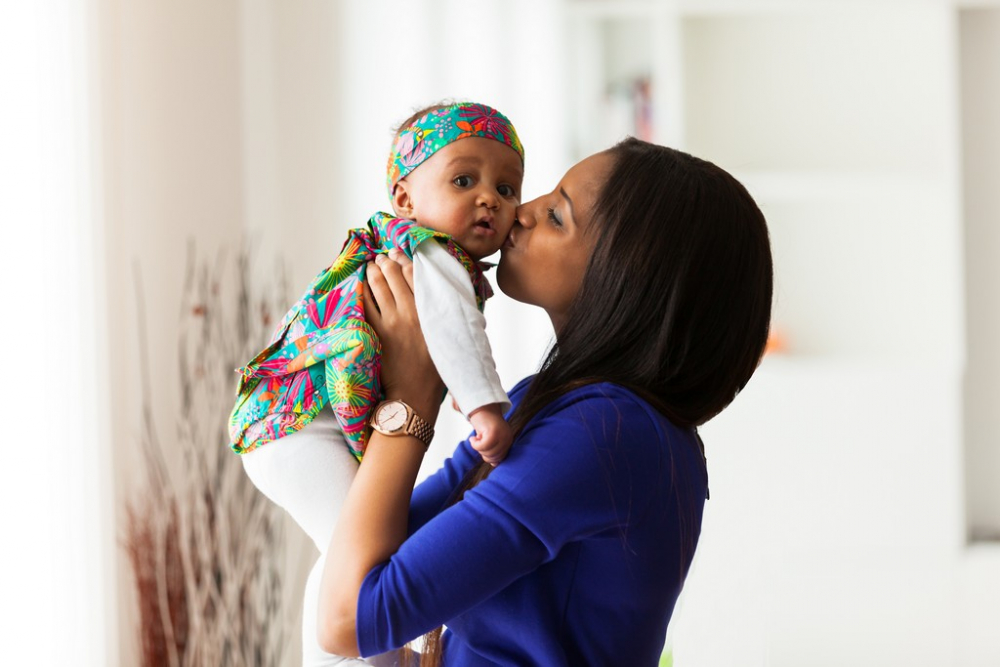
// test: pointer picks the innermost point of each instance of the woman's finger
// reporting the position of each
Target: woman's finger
(400, 258)
(396, 281)
(379, 286)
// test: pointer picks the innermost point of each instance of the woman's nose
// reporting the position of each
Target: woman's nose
(524, 217)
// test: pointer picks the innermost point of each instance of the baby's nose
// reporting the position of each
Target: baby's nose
(488, 198)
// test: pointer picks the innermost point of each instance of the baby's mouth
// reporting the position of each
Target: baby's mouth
(485, 226)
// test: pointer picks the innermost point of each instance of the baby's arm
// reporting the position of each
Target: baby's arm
(455, 331)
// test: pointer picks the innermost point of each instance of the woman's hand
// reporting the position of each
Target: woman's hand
(408, 373)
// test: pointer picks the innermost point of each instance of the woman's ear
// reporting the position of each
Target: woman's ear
(402, 202)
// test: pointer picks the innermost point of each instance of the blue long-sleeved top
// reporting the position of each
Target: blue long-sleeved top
(572, 552)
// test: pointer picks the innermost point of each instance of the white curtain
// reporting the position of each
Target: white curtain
(55, 498)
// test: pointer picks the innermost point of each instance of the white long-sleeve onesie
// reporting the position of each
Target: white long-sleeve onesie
(454, 328)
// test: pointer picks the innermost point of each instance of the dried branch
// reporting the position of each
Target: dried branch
(205, 546)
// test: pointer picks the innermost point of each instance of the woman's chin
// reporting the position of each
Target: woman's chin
(506, 280)
(503, 275)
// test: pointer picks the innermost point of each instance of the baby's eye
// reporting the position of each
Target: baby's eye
(506, 191)
(462, 181)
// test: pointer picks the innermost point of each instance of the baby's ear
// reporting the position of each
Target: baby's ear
(402, 202)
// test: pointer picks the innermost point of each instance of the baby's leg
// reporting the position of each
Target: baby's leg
(308, 474)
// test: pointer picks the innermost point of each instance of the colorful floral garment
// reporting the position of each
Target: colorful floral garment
(324, 351)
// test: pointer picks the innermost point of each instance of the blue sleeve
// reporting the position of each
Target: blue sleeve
(433, 494)
(572, 473)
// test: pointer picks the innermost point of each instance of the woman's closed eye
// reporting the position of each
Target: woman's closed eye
(553, 218)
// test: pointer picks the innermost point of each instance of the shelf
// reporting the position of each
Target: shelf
(781, 91)
(600, 9)
(857, 186)
(723, 86)
(848, 150)
(628, 75)
(608, 9)
(873, 279)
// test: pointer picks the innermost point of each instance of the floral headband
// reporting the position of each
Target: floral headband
(436, 129)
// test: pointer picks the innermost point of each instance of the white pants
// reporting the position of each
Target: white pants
(308, 474)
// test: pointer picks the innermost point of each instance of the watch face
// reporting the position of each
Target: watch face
(391, 416)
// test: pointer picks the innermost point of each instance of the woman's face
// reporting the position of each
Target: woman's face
(546, 253)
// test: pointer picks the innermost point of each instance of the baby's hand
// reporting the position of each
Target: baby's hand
(493, 436)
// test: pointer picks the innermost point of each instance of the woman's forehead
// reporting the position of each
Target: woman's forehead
(589, 173)
(584, 181)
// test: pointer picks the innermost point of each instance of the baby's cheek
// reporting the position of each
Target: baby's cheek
(505, 224)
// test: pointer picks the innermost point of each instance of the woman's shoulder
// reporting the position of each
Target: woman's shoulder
(607, 392)
(599, 396)
(609, 389)
(600, 435)
(517, 392)
(604, 410)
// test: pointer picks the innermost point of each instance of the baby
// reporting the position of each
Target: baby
(301, 418)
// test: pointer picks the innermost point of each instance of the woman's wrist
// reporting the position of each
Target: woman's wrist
(426, 407)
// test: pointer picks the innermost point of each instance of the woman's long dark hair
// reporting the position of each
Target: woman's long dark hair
(676, 299)
(675, 303)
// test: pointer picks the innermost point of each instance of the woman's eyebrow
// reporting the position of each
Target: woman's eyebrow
(568, 201)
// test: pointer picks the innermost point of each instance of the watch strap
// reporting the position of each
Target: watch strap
(419, 428)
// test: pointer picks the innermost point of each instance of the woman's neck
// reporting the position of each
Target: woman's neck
(558, 320)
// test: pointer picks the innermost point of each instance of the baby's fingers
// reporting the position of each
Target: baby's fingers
(488, 448)
(495, 457)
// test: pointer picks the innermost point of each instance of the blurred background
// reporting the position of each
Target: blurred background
(148, 148)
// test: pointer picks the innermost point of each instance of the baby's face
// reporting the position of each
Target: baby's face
(468, 189)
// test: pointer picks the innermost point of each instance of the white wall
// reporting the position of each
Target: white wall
(58, 555)
(834, 532)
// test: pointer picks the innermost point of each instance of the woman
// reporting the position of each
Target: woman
(655, 269)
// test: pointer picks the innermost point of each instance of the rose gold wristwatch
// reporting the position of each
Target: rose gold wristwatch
(397, 418)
